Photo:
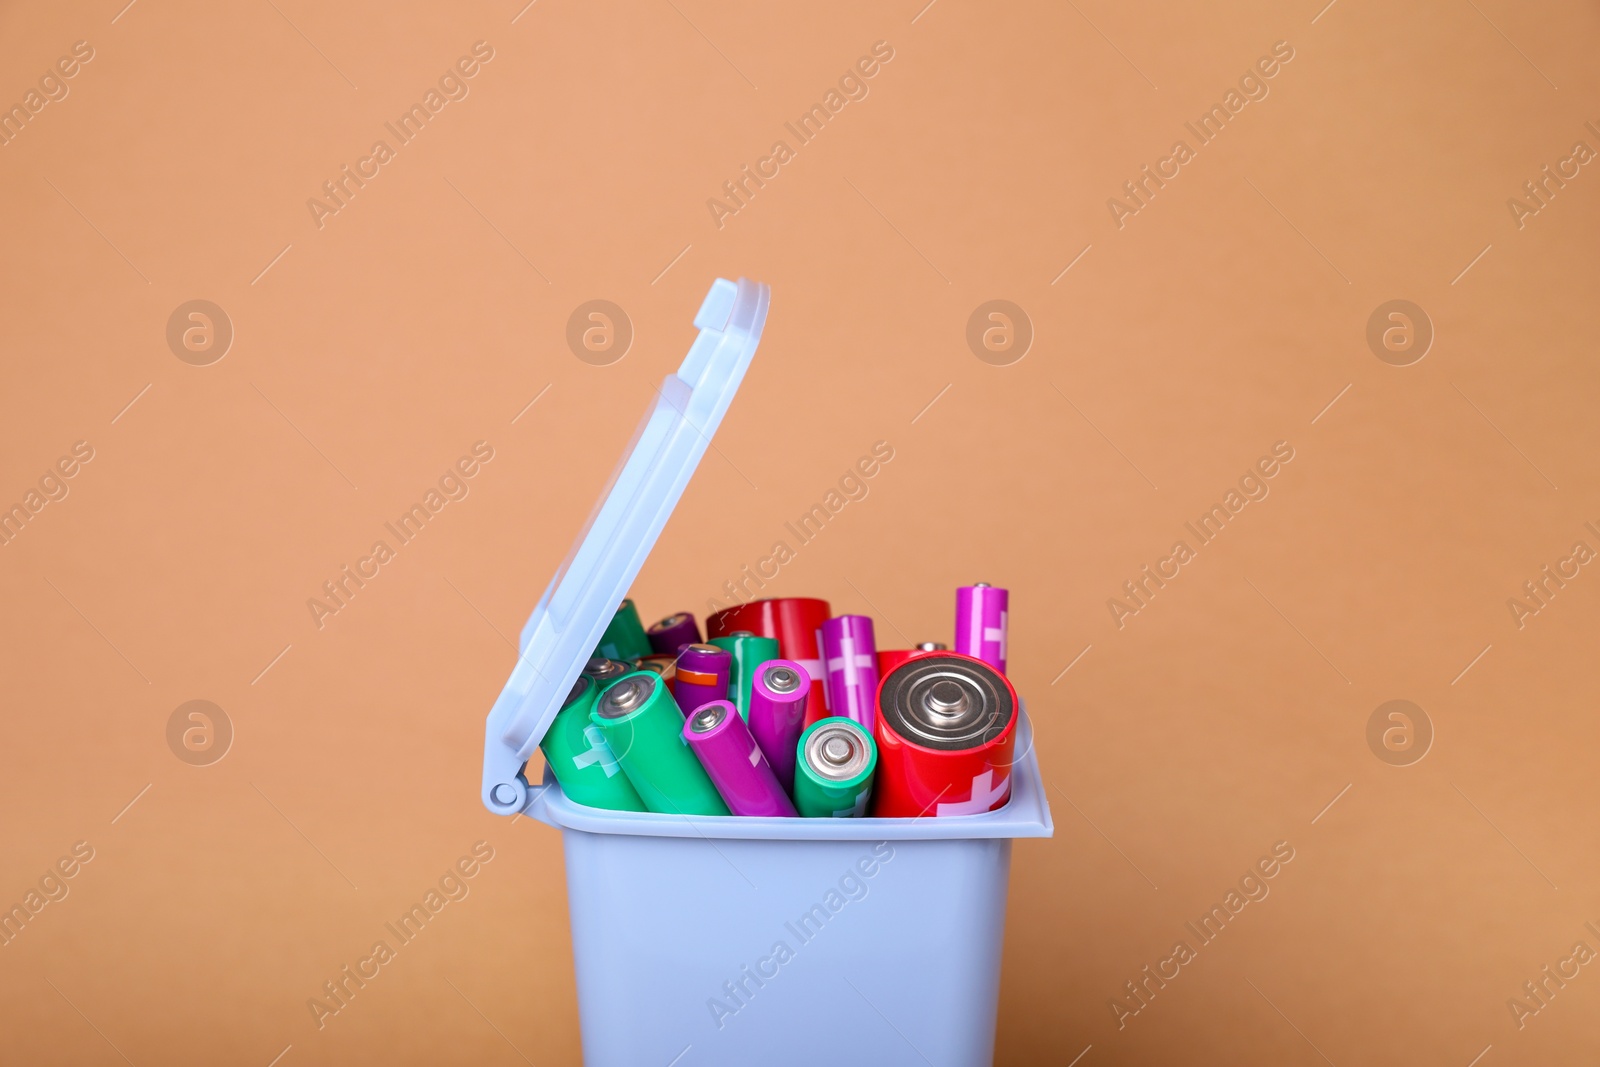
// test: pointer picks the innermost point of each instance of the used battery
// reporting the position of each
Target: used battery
(734, 762)
(833, 774)
(778, 698)
(661, 666)
(624, 637)
(580, 758)
(643, 728)
(850, 657)
(946, 732)
(701, 676)
(605, 671)
(748, 652)
(981, 623)
(889, 659)
(672, 633)
(797, 624)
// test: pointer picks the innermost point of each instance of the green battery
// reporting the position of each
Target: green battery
(624, 638)
(748, 652)
(833, 769)
(644, 729)
(580, 758)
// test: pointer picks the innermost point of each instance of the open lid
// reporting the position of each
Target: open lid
(583, 596)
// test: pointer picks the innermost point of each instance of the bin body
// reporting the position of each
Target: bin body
(747, 941)
(791, 941)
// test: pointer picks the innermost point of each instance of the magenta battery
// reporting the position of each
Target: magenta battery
(701, 676)
(778, 695)
(672, 633)
(735, 763)
(850, 658)
(981, 623)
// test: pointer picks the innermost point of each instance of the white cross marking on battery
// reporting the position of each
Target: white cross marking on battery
(856, 812)
(997, 634)
(597, 752)
(849, 660)
(985, 795)
(755, 756)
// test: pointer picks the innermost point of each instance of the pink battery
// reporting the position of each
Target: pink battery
(734, 762)
(850, 659)
(778, 712)
(981, 623)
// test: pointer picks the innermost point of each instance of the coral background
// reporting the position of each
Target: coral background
(1229, 313)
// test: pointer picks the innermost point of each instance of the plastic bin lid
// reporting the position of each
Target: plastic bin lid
(583, 596)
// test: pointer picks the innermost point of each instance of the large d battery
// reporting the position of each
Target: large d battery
(748, 652)
(624, 637)
(834, 764)
(580, 758)
(981, 612)
(643, 728)
(797, 624)
(890, 658)
(946, 733)
(734, 761)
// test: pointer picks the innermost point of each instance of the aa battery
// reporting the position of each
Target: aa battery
(797, 624)
(981, 623)
(581, 760)
(734, 762)
(672, 633)
(946, 733)
(835, 759)
(889, 659)
(643, 728)
(701, 676)
(748, 652)
(624, 637)
(850, 658)
(605, 671)
(778, 697)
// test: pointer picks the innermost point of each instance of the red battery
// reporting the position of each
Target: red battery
(889, 659)
(796, 622)
(946, 731)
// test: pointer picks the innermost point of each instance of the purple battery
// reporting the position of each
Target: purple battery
(777, 714)
(701, 676)
(981, 623)
(735, 762)
(850, 658)
(672, 633)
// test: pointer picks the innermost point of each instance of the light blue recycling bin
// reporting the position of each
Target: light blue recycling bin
(741, 941)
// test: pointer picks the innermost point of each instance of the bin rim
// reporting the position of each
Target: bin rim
(1026, 814)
